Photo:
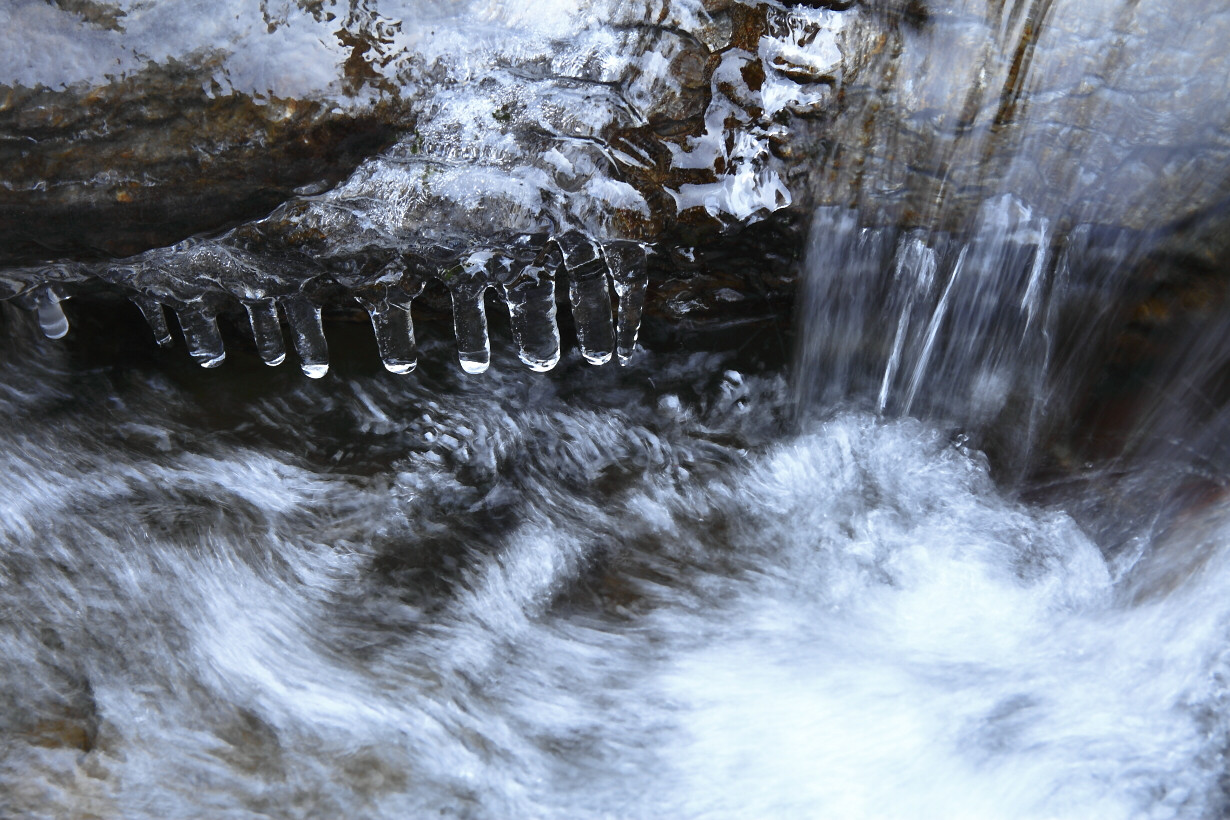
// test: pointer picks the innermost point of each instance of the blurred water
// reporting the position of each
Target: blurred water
(587, 594)
(1020, 672)
(683, 589)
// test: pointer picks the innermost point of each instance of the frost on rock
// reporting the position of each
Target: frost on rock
(276, 160)
(511, 149)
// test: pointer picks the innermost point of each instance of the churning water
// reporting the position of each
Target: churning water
(689, 588)
(597, 594)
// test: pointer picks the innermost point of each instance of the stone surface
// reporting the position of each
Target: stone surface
(208, 160)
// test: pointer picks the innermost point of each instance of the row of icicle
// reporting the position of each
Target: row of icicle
(528, 289)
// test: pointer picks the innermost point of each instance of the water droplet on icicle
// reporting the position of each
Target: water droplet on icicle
(266, 331)
(590, 296)
(629, 272)
(467, 284)
(201, 335)
(155, 317)
(530, 294)
(308, 335)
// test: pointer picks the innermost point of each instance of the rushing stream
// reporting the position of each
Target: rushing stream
(950, 548)
(602, 594)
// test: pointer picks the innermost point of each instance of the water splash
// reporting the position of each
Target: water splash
(581, 606)
(589, 595)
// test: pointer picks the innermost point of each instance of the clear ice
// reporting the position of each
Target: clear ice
(530, 294)
(155, 317)
(201, 334)
(628, 272)
(309, 337)
(467, 284)
(589, 294)
(266, 331)
(394, 330)
(51, 319)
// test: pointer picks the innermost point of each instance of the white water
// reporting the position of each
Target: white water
(605, 594)
(567, 597)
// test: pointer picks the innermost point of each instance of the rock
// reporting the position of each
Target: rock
(319, 154)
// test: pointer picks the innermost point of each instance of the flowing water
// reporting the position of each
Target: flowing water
(599, 594)
(897, 577)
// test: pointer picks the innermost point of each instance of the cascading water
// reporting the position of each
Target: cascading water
(1089, 360)
(967, 559)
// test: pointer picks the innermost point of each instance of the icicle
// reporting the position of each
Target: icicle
(266, 331)
(628, 271)
(202, 336)
(155, 317)
(45, 302)
(309, 337)
(467, 283)
(590, 296)
(394, 331)
(530, 294)
(385, 287)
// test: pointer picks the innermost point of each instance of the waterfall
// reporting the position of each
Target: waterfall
(1033, 272)
(961, 554)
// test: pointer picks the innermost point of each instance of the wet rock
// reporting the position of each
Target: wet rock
(285, 160)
